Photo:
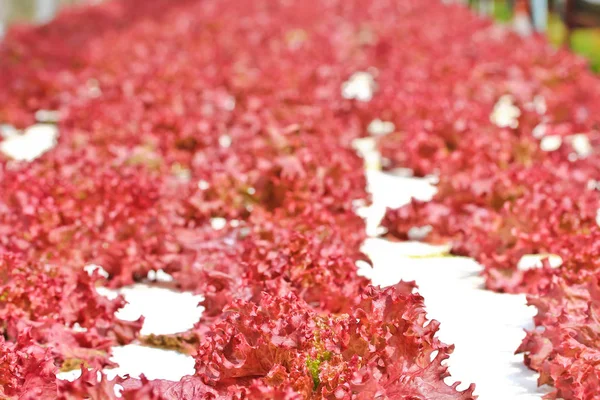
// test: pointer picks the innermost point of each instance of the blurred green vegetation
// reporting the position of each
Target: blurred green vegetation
(583, 41)
(24, 10)
(587, 43)
(502, 11)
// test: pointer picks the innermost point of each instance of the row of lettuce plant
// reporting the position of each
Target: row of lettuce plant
(213, 141)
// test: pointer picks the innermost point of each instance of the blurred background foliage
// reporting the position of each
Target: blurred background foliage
(585, 42)
(25, 10)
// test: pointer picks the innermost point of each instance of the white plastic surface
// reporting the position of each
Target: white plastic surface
(36, 140)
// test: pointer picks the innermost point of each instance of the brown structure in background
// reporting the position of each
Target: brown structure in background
(581, 14)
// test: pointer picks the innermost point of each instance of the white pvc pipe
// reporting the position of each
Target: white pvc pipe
(4, 4)
(539, 11)
(45, 10)
(486, 7)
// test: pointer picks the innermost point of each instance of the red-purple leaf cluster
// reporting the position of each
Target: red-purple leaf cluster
(565, 352)
(379, 350)
(60, 310)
